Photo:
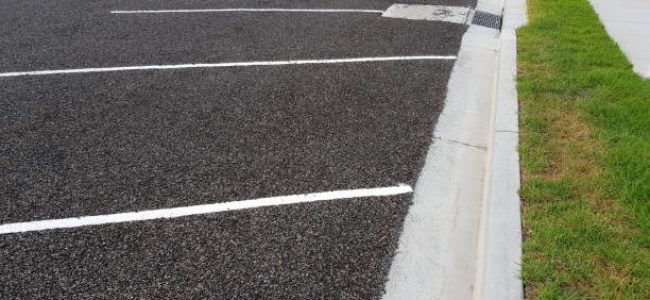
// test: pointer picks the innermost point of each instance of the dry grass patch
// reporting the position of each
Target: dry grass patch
(585, 132)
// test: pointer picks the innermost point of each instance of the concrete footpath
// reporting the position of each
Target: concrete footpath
(628, 23)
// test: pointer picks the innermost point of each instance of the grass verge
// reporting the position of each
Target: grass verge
(585, 150)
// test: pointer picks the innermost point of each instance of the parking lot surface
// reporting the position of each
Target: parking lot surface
(128, 140)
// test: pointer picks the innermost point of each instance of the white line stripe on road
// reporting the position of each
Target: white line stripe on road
(229, 64)
(307, 10)
(167, 213)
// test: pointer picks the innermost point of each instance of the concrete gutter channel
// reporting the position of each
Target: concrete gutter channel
(499, 252)
(462, 236)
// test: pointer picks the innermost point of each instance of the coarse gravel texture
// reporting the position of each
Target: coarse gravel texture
(107, 143)
(88, 144)
(37, 35)
(328, 250)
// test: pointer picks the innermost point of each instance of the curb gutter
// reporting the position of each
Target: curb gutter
(461, 238)
(500, 234)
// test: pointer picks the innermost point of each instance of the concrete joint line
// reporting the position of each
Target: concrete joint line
(460, 143)
(483, 49)
(500, 236)
(436, 255)
(462, 235)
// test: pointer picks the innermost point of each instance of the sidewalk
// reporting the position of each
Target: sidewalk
(628, 23)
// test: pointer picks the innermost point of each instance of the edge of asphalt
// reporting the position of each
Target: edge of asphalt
(462, 236)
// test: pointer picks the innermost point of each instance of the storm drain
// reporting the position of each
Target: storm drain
(441, 13)
(486, 19)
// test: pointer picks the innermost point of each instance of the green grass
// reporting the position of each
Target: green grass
(585, 148)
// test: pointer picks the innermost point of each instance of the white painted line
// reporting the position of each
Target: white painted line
(217, 10)
(168, 213)
(230, 64)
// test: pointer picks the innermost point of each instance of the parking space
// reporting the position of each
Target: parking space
(308, 251)
(79, 34)
(108, 143)
(130, 140)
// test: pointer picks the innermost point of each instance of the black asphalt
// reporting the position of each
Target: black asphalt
(106, 143)
(311, 251)
(82, 36)
(88, 144)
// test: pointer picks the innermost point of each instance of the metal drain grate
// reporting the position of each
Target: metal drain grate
(487, 19)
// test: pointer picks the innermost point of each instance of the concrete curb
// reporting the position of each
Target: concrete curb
(462, 236)
(436, 256)
(498, 274)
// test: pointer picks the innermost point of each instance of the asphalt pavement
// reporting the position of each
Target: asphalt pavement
(308, 251)
(91, 144)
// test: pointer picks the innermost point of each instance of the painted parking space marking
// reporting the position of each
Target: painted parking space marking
(169, 213)
(221, 10)
(441, 13)
(420, 12)
(359, 113)
(229, 64)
